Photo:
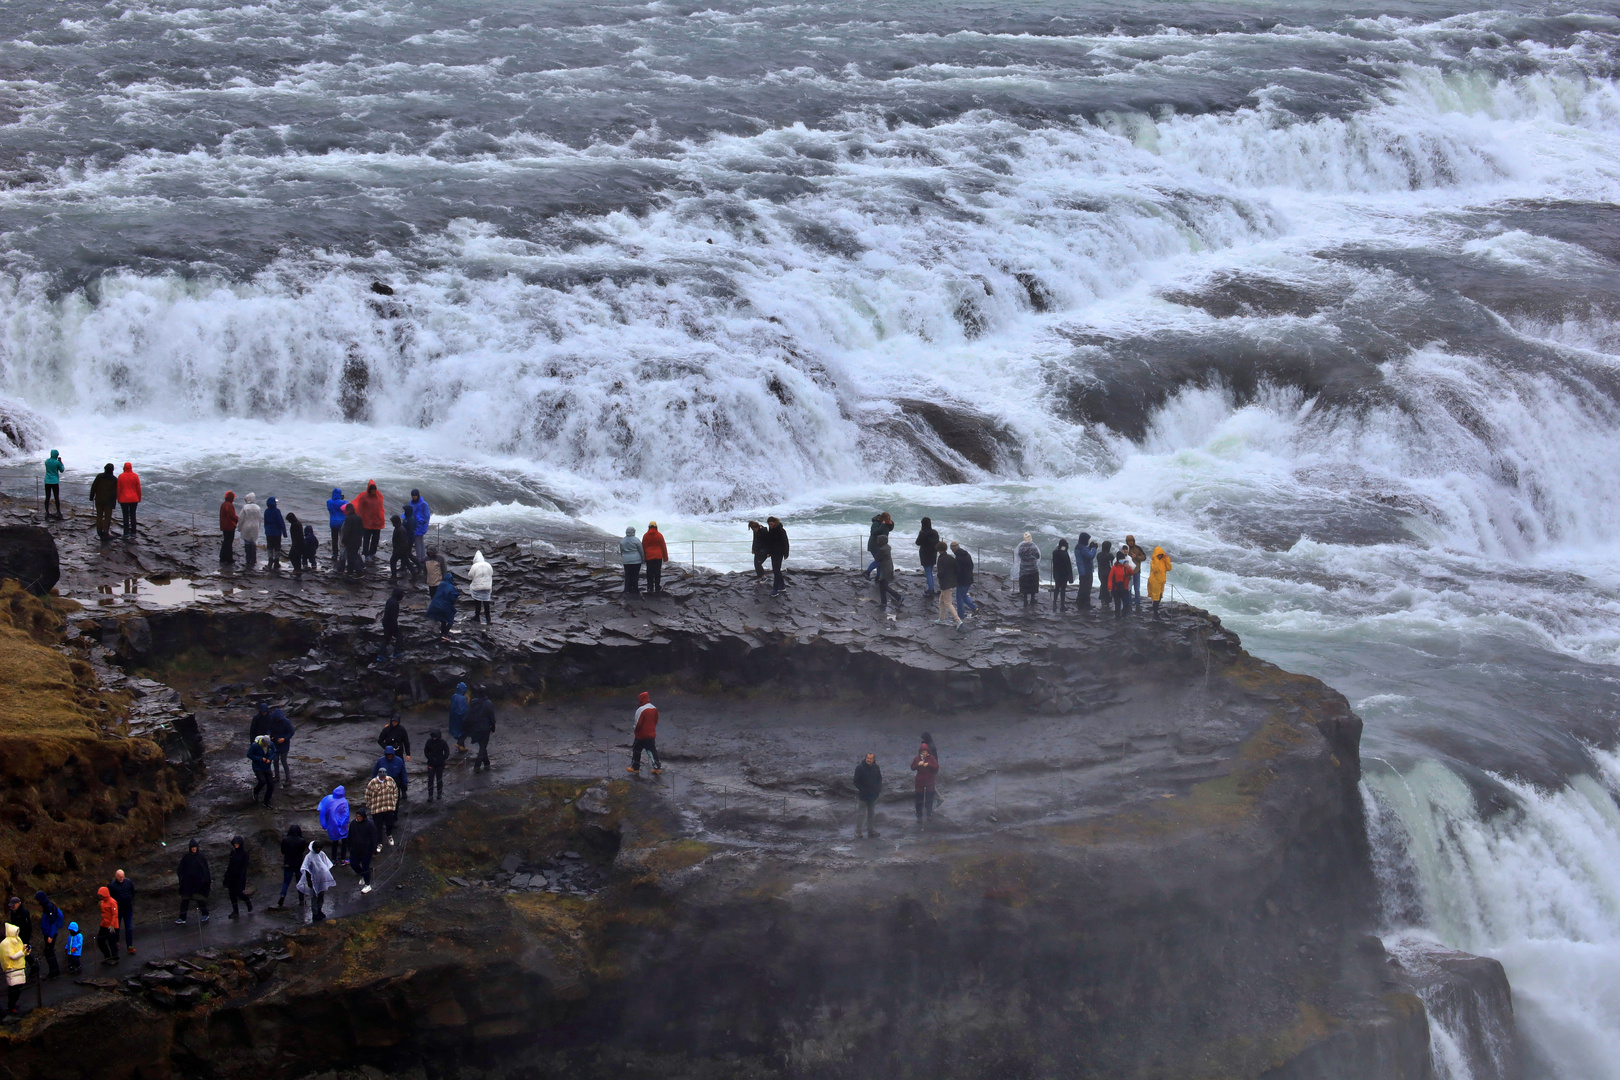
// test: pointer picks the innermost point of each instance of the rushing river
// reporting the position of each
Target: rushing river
(1326, 303)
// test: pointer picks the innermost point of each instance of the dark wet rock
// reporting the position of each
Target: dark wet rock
(28, 555)
(1470, 998)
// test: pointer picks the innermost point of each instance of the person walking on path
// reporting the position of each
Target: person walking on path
(73, 948)
(262, 756)
(335, 516)
(104, 497)
(656, 552)
(352, 536)
(53, 487)
(394, 765)
(965, 606)
(107, 934)
(382, 800)
(481, 586)
(373, 516)
(17, 915)
(631, 556)
(129, 498)
(260, 724)
(297, 553)
(390, 626)
(1086, 554)
(275, 530)
(1119, 582)
(419, 516)
(442, 608)
(401, 551)
(236, 876)
(760, 545)
(228, 519)
(459, 702)
(333, 812)
(122, 891)
(51, 921)
(928, 553)
(926, 766)
(281, 735)
(394, 734)
(1027, 565)
(315, 878)
(645, 736)
(194, 880)
(362, 846)
(292, 857)
(1062, 574)
(946, 566)
(481, 725)
(776, 538)
(885, 571)
(882, 525)
(1138, 558)
(1158, 569)
(436, 752)
(868, 788)
(14, 962)
(249, 525)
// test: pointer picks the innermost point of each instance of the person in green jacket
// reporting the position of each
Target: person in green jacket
(53, 485)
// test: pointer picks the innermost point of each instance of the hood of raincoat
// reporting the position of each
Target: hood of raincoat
(104, 893)
(1085, 539)
(644, 698)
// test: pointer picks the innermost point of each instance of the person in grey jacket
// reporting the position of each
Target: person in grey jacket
(631, 555)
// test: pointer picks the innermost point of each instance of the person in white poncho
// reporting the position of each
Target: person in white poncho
(481, 584)
(315, 877)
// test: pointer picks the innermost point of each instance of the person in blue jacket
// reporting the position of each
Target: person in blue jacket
(281, 734)
(50, 928)
(394, 765)
(334, 518)
(458, 717)
(275, 528)
(262, 756)
(334, 815)
(75, 949)
(442, 608)
(1085, 553)
(420, 513)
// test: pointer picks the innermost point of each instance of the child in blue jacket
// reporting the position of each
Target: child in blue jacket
(75, 948)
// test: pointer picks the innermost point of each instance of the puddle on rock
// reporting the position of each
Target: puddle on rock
(156, 592)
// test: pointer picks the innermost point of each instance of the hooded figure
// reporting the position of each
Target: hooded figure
(296, 549)
(481, 585)
(394, 765)
(481, 725)
(352, 536)
(334, 815)
(928, 552)
(419, 514)
(373, 517)
(73, 946)
(1085, 553)
(630, 554)
(315, 878)
(249, 524)
(400, 550)
(281, 735)
(657, 553)
(1062, 575)
(1157, 571)
(883, 556)
(390, 625)
(645, 736)
(458, 716)
(107, 933)
(334, 520)
(236, 875)
(292, 857)
(1027, 564)
(104, 496)
(436, 752)
(14, 962)
(1105, 567)
(195, 880)
(262, 756)
(275, 531)
(53, 484)
(228, 520)
(442, 608)
(51, 921)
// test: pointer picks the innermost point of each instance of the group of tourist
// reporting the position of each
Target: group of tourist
(20, 953)
(869, 787)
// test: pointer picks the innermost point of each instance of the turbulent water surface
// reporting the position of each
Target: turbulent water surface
(1327, 303)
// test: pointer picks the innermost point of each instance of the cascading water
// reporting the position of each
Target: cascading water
(1325, 303)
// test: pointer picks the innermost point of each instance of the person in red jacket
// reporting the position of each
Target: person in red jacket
(227, 527)
(926, 766)
(654, 551)
(1119, 583)
(646, 736)
(373, 516)
(129, 497)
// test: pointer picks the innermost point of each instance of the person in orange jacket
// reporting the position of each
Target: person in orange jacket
(373, 516)
(655, 552)
(228, 519)
(129, 497)
(1119, 582)
(107, 936)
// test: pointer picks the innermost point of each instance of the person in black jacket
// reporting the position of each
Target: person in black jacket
(17, 915)
(948, 614)
(437, 752)
(761, 548)
(390, 626)
(1062, 574)
(122, 890)
(395, 735)
(260, 724)
(362, 846)
(776, 542)
(928, 552)
(236, 874)
(868, 787)
(351, 536)
(401, 550)
(964, 581)
(195, 880)
(293, 850)
(281, 733)
(481, 725)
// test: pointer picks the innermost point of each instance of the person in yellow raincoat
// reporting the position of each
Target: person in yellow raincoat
(1160, 566)
(14, 962)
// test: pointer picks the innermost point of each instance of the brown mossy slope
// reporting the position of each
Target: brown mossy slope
(73, 791)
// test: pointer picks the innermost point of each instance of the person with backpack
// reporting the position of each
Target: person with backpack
(14, 963)
(442, 608)
(882, 525)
